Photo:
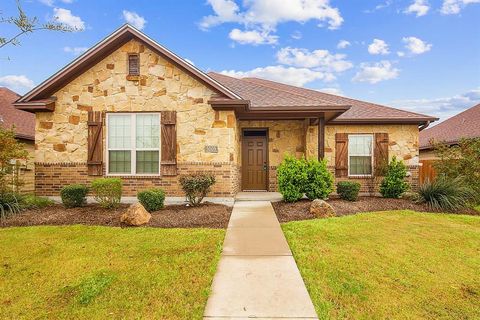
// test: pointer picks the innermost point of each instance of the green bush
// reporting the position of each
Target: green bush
(460, 160)
(33, 202)
(319, 180)
(196, 187)
(292, 178)
(446, 194)
(394, 184)
(107, 191)
(74, 195)
(9, 204)
(152, 199)
(348, 190)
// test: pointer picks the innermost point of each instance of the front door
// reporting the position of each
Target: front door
(254, 163)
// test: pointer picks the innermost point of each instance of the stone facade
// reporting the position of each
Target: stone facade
(61, 136)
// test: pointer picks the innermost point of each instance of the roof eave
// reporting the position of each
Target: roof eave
(35, 106)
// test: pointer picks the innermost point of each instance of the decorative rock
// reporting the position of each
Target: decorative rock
(321, 209)
(136, 215)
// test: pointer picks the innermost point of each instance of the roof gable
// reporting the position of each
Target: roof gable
(103, 49)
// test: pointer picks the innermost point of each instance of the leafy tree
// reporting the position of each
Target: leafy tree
(26, 24)
(11, 152)
(460, 160)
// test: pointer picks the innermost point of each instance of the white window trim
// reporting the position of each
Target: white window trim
(372, 155)
(133, 149)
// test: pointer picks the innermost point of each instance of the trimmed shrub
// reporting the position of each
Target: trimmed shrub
(152, 199)
(107, 191)
(31, 201)
(394, 184)
(196, 187)
(319, 180)
(74, 195)
(446, 194)
(348, 190)
(292, 178)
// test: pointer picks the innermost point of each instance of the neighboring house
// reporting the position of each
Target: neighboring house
(463, 125)
(24, 124)
(129, 107)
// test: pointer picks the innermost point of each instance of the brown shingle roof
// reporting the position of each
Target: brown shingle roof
(464, 125)
(265, 93)
(24, 122)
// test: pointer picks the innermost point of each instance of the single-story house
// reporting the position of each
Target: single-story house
(130, 108)
(466, 124)
(24, 126)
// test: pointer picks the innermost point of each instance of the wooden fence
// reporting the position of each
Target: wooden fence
(427, 171)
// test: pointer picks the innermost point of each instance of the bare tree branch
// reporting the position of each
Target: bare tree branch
(27, 24)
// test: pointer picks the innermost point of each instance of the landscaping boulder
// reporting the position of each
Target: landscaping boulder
(136, 215)
(321, 209)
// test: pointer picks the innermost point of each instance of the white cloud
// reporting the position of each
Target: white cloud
(297, 35)
(418, 7)
(189, 61)
(47, 2)
(378, 46)
(416, 46)
(252, 37)
(400, 53)
(322, 60)
(288, 75)
(342, 44)
(265, 15)
(335, 91)
(376, 72)
(17, 83)
(444, 107)
(134, 19)
(380, 6)
(65, 16)
(75, 50)
(455, 6)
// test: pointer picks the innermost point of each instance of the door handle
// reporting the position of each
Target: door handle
(264, 166)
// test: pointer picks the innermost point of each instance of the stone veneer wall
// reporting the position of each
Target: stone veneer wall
(61, 136)
(403, 143)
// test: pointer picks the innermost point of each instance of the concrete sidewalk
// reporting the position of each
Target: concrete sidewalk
(257, 276)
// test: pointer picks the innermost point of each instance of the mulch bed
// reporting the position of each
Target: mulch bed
(301, 210)
(207, 215)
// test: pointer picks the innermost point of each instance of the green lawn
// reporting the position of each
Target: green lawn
(390, 265)
(82, 272)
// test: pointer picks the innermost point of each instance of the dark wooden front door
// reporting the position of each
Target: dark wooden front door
(254, 163)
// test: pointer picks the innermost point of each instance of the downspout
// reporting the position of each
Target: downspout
(424, 126)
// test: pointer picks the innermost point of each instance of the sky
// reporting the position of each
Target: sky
(418, 55)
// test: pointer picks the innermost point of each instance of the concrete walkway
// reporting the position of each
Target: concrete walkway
(257, 276)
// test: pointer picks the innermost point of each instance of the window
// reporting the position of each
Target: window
(133, 142)
(133, 65)
(360, 154)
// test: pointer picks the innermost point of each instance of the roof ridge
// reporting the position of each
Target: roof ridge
(341, 97)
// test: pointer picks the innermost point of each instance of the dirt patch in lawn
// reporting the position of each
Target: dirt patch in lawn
(207, 215)
(301, 210)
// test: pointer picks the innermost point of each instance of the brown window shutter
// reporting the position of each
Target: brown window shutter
(341, 154)
(95, 143)
(380, 153)
(133, 65)
(169, 143)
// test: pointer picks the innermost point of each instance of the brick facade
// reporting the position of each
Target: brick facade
(51, 177)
